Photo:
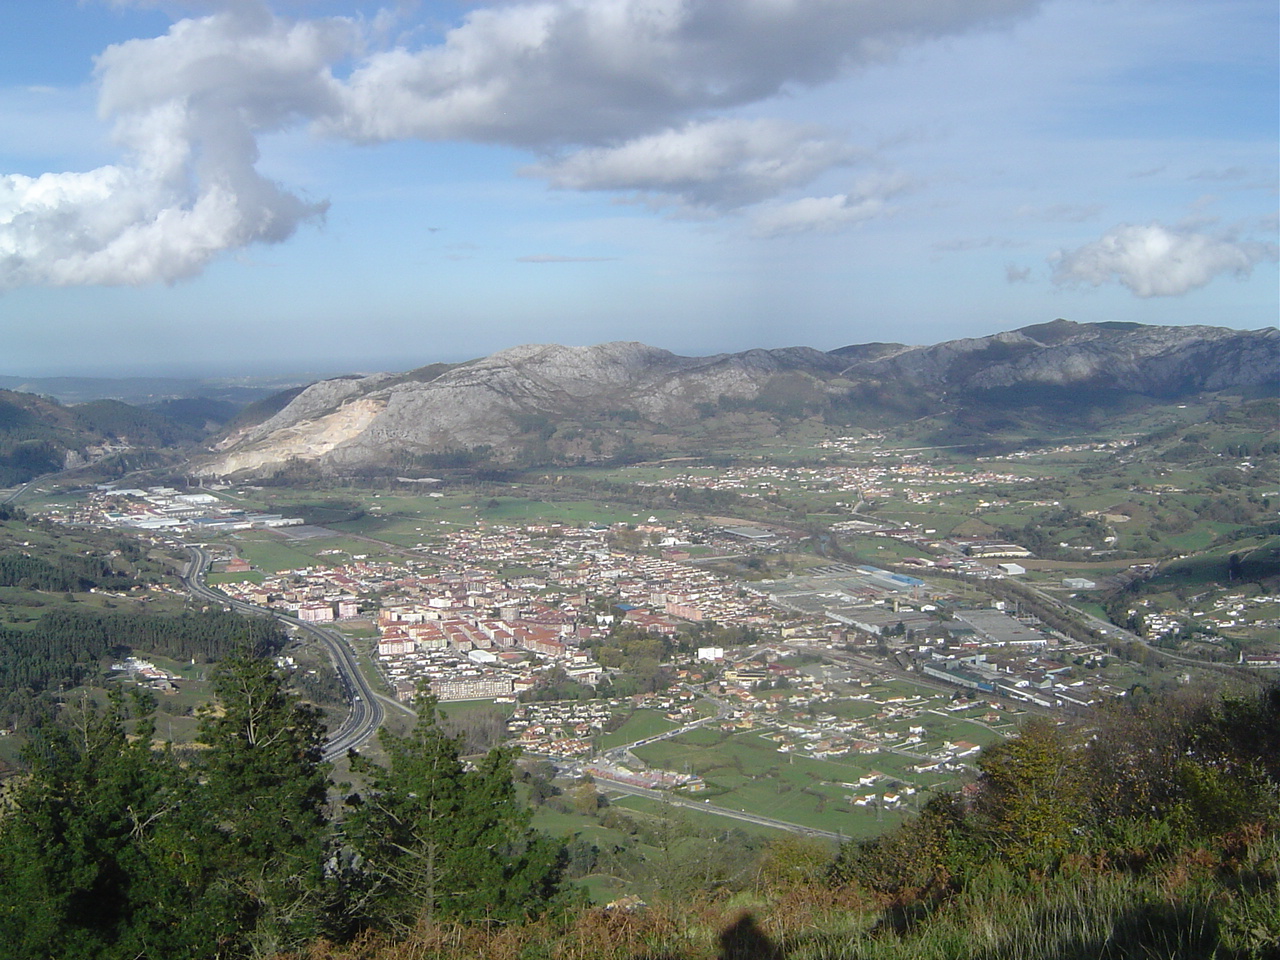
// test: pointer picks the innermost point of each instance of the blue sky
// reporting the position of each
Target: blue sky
(207, 187)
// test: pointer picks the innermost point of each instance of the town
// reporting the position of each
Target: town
(900, 678)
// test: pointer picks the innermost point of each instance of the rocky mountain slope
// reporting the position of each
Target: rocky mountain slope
(1149, 360)
(548, 403)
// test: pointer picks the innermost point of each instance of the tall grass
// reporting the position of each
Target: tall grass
(1195, 908)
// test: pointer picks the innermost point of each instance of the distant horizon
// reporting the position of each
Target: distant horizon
(320, 370)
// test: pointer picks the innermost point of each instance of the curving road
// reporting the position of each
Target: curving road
(366, 713)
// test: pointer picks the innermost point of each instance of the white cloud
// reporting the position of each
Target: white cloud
(188, 108)
(722, 164)
(621, 94)
(1153, 261)
(828, 214)
(814, 214)
(549, 74)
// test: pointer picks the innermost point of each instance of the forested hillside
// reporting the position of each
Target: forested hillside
(1151, 833)
(55, 636)
(67, 648)
(113, 847)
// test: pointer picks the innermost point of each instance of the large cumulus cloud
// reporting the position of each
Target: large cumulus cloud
(601, 71)
(619, 95)
(1155, 261)
(188, 108)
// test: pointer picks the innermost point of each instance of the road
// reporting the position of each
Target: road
(708, 807)
(367, 710)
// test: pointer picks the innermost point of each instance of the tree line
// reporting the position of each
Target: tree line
(68, 647)
(70, 574)
(117, 846)
(1189, 782)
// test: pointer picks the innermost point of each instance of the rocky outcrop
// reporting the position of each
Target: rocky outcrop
(1151, 360)
(513, 400)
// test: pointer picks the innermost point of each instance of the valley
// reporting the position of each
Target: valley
(762, 627)
(786, 584)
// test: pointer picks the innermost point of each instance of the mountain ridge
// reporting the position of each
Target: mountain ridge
(554, 403)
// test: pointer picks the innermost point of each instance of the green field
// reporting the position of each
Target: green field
(641, 725)
(271, 555)
(746, 772)
(218, 579)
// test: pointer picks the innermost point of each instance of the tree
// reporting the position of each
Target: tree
(1033, 794)
(84, 852)
(439, 839)
(924, 857)
(116, 849)
(262, 824)
(1199, 761)
(792, 860)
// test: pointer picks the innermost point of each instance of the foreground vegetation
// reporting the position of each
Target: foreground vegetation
(1151, 832)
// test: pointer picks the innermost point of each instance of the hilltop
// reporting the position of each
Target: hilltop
(544, 404)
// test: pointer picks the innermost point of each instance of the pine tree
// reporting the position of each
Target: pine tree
(262, 826)
(85, 850)
(437, 838)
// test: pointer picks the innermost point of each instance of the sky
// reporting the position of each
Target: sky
(213, 188)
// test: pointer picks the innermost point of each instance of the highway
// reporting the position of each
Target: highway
(367, 710)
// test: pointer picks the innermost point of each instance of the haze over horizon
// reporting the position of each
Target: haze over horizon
(332, 185)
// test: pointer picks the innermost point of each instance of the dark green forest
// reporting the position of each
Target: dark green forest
(68, 647)
(1148, 832)
(113, 846)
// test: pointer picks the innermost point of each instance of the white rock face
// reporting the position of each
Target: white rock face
(507, 400)
(301, 440)
(490, 401)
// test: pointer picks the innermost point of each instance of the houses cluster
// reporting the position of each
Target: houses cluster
(316, 594)
(1101, 445)
(893, 725)
(569, 730)
(890, 475)
(147, 673)
(476, 620)
(562, 729)
(1226, 613)
(577, 561)
(511, 603)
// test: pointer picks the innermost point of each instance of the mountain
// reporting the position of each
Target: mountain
(1149, 360)
(144, 391)
(557, 404)
(38, 435)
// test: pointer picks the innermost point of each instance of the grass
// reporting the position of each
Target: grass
(696, 820)
(746, 772)
(1079, 913)
(274, 555)
(217, 579)
(641, 725)
(457, 709)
